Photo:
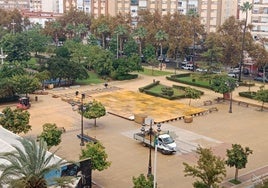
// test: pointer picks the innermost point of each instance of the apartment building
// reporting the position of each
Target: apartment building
(84, 5)
(213, 13)
(185, 5)
(257, 17)
(14, 4)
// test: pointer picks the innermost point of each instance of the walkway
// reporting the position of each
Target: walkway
(129, 158)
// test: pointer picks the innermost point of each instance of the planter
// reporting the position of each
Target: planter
(188, 119)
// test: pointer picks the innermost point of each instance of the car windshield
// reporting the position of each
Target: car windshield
(168, 140)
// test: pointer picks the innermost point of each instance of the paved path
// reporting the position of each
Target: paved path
(217, 130)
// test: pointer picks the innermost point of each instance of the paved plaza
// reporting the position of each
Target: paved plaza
(218, 130)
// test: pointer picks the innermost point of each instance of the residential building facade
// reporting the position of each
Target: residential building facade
(257, 17)
(213, 13)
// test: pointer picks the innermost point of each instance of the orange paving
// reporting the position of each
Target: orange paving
(128, 103)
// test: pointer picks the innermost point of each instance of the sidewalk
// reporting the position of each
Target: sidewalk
(248, 179)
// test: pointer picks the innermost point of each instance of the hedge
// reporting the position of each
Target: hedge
(248, 94)
(175, 79)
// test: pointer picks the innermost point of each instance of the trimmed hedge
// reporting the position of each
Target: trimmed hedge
(142, 89)
(9, 99)
(146, 90)
(177, 79)
(183, 88)
(127, 77)
(248, 94)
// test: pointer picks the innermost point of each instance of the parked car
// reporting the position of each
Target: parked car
(232, 74)
(201, 70)
(167, 60)
(188, 67)
(160, 58)
(260, 79)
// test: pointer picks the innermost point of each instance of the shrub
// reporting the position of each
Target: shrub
(167, 91)
(248, 94)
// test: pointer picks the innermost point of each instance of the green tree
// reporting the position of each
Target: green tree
(160, 37)
(142, 182)
(192, 93)
(25, 84)
(140, 33)
(210, 169)
(223, 84)
(262, 95)
(17, 121)
(121, 32)
(149, 52)
(38, 41)
(96, 152)
(62, 68)
(51, 135)
(245, 8)
(238, 157)
(103, 30)
(94, 110)
(130, 47)
(16, 47)
(28, 164)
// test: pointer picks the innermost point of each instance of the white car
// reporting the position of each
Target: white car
(201, 70)
(232, 74)
(188, 67)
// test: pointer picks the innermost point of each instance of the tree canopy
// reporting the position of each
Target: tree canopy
(28, 164)
(237, 156)
(94, 110)
(17, 121)
(210, 169)
(96, 152)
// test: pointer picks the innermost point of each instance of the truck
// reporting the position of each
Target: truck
(166, 144)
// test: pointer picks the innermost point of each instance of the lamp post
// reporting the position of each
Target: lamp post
(81, 107)
(155, 152)
(150, 133)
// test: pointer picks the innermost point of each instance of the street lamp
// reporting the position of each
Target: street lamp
(82, 108)
(155, 152)
(150, 133)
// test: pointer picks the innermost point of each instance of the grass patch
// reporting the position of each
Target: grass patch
(158, 89)
(93, 79)
(236, 182)
(155, 72)
(197, 81)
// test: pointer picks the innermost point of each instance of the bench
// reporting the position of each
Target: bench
(87, 138)
(213, 109)
(219, 99)
(208, 102)
(240, 103)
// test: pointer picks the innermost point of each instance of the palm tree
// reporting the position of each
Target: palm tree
(245, 8)
(103, 29)
(120, 32)
(161, 36)
(27, 165)
(140, 33)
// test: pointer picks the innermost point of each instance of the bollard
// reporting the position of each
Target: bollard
(36, 98)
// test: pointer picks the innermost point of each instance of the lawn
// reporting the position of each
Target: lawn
(93, 79)
(155, 72)
(157, 89)
(198, 81)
